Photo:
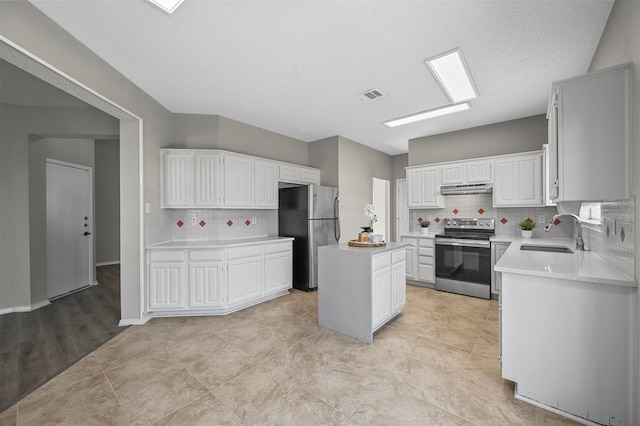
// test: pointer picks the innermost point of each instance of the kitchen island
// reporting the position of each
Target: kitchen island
(360, 288)
(566, 334)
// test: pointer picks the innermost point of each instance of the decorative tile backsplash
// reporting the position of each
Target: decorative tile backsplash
(506, 219)
(213, 224)
(615, 240)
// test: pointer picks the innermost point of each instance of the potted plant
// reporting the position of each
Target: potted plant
(365, 235)
(424, 225)
(526, 228)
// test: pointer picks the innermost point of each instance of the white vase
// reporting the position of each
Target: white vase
(527, 233)
(424, 230)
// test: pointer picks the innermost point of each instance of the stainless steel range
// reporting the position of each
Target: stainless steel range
(463, 257)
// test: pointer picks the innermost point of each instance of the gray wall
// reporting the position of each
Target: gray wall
(358, 166)
(620, 43)
(107, 205)
(197, 131)
(52, 44)
(323, 154)
(525, 134)
(19, 125)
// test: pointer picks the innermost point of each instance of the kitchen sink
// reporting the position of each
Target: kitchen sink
(550, 249)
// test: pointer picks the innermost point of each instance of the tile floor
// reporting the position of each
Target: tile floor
(436, 364)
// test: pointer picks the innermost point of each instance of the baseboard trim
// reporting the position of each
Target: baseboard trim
(134, 321)
(115, 262)
(28, 308)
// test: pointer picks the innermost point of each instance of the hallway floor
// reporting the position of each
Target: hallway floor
(35, 346)
(436, 364)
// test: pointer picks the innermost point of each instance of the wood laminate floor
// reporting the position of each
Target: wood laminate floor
(36, 346)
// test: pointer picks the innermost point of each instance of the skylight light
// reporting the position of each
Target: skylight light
(425, 115)
(450, 69)
(167, 6)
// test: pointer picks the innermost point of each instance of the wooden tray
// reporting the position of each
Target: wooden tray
(356, 243)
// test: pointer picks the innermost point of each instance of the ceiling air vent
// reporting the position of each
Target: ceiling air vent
(370, 95)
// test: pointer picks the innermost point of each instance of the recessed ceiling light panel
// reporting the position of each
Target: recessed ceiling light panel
(451, 71)
(167, 6)
(426, 115)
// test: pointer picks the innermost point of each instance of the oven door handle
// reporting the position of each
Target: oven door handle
(463, 243)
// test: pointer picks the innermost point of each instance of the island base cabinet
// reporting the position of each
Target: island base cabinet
(360, 290)
(568, 345)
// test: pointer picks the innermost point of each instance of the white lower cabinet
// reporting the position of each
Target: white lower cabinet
(389, 282)
(278, 266)
(167, 280)
(497, 250)
(420, 259)
(246, 277)
(217, 281)
(207, 287)
(569, 345)
(381, 291)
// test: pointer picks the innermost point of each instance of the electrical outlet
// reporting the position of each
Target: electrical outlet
(254, 220)
(429, 218)
(542, 219)
(194, 220)
(147, 207)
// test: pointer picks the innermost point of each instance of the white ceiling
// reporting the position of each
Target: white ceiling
(295, 67)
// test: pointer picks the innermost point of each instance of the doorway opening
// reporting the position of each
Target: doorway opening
(381, 206)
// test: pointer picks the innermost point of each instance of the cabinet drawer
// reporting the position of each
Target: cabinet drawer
(289, 173)
(206, 255)
(425, 260)
(241, 252)
(398, 256)
(425, 251)
(277, 248)
(166, 255)
(381, 261)
(425, 242)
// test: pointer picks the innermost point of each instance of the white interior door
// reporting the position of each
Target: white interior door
(381, 206)
(402, 208)
(69, 227)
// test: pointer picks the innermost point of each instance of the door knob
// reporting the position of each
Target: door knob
(87, 233)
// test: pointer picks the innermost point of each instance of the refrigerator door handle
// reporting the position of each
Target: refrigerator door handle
(336, 220)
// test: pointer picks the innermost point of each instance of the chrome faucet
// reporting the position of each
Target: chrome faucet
(579, 240)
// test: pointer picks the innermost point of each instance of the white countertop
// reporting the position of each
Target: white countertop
(583, 266)
(204, 244)
(364, 250)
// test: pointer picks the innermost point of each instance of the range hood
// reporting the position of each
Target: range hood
(471, 188)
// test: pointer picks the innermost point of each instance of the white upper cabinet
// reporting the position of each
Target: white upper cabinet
(238, 181)
(478, 171)
(453, 174)
(589, 136)
(311, 176)
(518, 180)
(202, 178)
(176, 178)
(265, 184)
(208, 177)
(463, 172)
(423, 187)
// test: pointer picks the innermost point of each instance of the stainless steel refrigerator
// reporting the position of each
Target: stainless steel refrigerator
(310, 214)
